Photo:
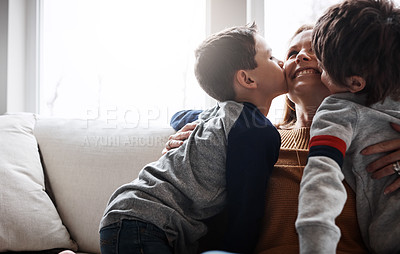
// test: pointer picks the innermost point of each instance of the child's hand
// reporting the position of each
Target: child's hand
(385, 165)
(176, 140)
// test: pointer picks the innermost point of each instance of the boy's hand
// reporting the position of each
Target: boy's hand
(176, 140)
(384, 166)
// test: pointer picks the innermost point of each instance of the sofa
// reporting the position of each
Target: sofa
(56, 176)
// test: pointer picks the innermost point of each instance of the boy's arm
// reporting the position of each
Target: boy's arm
(322, 194)
(180, 118)
(251, 156)
(176, 140)
(321, 200)
(184, 123)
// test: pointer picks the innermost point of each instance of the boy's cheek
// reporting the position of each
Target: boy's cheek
(325, 80)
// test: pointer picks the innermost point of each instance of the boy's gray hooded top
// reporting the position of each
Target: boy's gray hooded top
(343, 125)
(188, 185)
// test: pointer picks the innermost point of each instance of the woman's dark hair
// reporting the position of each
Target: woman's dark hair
(289, 115)
(362, 38)
(221, 55)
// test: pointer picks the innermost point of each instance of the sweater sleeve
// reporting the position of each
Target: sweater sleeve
(180, 118)
(251, 156)
(322, 193)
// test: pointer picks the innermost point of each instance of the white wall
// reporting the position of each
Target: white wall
(255, 12)
(3, 54)
(224, 13)
(18, 56)
(32, 37)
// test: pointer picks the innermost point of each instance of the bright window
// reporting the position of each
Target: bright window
(120, 59)
(133, 60)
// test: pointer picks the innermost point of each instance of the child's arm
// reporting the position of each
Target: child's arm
(184, 123)
(251, 157)
(176, 140)
(321, 200)
(322, 194)
(180, 118)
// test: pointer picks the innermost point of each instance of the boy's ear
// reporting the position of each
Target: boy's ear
(355, 83)
(244, 79)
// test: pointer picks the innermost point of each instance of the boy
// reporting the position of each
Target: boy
(357, 44)
(165, 207)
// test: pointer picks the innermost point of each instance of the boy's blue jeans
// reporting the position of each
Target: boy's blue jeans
(132, 236)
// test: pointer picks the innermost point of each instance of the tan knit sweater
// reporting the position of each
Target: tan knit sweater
(278, 230)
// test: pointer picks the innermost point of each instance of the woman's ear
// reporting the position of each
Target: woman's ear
(355, 83)
(245, 80)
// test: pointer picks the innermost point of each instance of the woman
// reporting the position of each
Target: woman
(305, 94)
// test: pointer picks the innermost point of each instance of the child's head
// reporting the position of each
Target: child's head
(358, 41)
(240, 55)
(220, 56)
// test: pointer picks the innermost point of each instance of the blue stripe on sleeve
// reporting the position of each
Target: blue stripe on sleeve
(328, 151)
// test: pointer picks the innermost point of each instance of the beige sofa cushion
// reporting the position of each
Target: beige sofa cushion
(85, 162)
(28, 218)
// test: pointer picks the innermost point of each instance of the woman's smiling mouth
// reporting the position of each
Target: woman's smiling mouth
(307, 71)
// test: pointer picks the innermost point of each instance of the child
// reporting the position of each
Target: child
(357, 44)
(227, 159)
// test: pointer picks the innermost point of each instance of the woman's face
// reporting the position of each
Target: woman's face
(303, 75)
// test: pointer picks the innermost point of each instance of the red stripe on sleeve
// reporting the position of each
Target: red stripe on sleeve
(327, 140)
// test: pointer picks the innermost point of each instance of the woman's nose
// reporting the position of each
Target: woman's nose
(303, 55)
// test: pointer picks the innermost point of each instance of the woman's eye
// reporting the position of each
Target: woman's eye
(291, 53)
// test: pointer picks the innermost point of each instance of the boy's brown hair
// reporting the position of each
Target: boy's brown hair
(221, 55)
(361, 38)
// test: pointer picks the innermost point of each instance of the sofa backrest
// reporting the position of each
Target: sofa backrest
(85, 161)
